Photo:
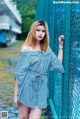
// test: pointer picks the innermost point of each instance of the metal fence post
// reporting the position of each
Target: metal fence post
(66, 61)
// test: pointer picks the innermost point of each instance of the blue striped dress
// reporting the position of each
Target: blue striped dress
(31, 75)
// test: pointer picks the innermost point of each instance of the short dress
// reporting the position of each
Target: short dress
(31, 74)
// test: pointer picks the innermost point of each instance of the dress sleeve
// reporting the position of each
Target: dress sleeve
(21, 67)
(55, 64)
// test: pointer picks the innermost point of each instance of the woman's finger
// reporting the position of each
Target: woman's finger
(62, 37)
(18, 103)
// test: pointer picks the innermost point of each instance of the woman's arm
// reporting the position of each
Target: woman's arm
(15, 93)
(19, 72)
(15, 88)
(60, 52)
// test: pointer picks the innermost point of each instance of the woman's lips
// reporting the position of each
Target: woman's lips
(40, 36)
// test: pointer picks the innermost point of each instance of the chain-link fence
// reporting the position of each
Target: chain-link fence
(64, 18)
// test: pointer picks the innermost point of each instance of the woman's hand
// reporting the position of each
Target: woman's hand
(15, 100)
(61, 39)
(60, 53)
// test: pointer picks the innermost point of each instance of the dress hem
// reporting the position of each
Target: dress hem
(31, 106)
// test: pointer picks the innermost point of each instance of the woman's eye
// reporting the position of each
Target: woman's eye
(37, 30)
(40, 30)
(43, 30)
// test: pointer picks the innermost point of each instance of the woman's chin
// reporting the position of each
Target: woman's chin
(39, 39)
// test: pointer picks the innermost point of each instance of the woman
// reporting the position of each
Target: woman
(35, 59)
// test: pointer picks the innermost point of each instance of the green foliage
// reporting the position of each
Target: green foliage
(26, 24)
(27, 9)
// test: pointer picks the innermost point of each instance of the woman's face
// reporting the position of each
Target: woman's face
(40, 32)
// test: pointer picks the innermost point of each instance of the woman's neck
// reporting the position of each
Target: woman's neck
(38, 43)
(37, 47)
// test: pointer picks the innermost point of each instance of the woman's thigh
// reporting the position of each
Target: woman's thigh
(23, 111)
(35, 113)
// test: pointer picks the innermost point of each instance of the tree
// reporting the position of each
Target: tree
(27, 10)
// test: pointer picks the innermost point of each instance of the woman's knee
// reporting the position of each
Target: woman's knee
(35, 113)
(23, 111)
(23, 117)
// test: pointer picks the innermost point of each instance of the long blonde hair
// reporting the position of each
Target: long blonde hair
(31, 37)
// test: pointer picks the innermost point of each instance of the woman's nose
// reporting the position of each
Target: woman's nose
(40, 32)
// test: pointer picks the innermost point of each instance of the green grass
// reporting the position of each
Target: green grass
(3, 64)
(6, 87)
(11, 50)
(6, 78)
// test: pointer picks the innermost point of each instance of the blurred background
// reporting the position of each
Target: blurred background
(15, 19)
(63, 17)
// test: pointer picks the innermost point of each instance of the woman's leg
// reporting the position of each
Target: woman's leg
(35, 113)
(23, 111)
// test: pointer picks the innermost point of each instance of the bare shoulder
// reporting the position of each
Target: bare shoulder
(24, 48)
